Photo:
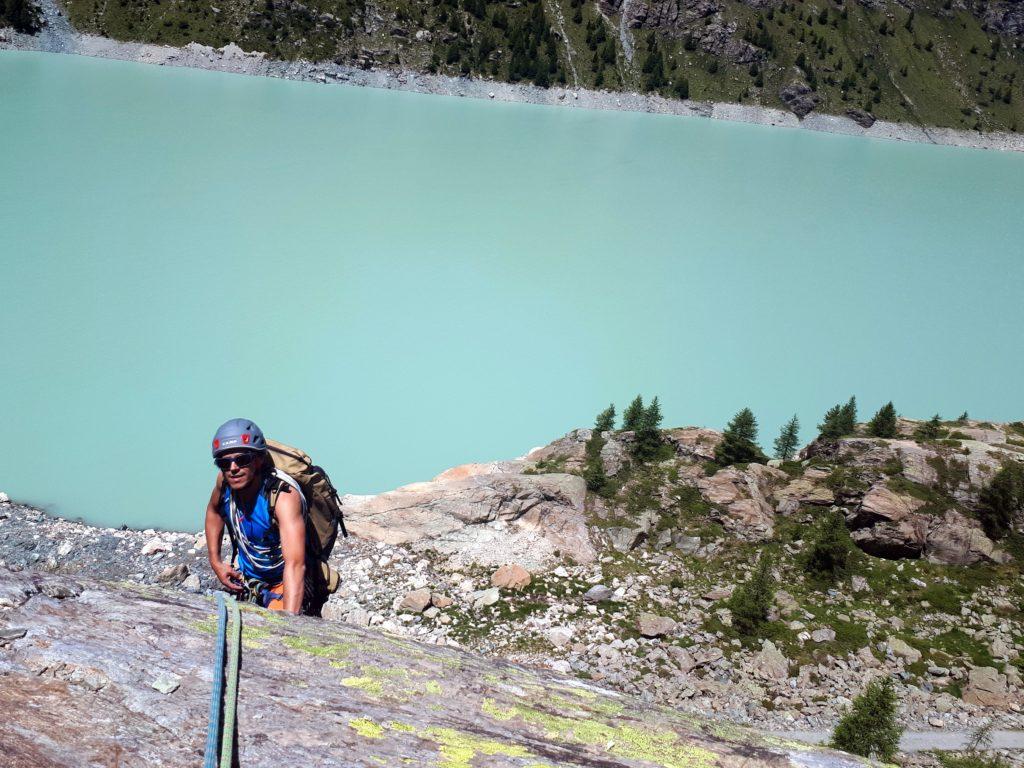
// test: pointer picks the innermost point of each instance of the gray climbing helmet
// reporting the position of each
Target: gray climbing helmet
(238, 434)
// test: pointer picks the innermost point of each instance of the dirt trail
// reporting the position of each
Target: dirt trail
(922, 741)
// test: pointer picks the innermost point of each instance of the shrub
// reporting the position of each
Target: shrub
(871, 727)
(929, 430)
(828, 555)
(739, 441)
(943, 598)
(1002, 500)
(752, 600)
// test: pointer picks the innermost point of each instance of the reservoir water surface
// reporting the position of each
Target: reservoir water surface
(400, 283)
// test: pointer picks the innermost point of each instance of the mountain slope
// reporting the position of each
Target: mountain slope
(932, 62)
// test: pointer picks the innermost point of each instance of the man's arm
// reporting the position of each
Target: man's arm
(292, 526)
(227, 575)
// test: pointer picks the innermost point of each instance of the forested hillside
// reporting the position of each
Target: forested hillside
(934, 62)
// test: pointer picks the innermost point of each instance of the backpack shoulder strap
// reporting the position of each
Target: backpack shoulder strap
(279, 482)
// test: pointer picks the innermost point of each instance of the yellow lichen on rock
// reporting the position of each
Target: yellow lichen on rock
(663, 748)
(457, 749)
(366, 728)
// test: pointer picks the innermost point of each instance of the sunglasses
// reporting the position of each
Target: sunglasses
(241, 460)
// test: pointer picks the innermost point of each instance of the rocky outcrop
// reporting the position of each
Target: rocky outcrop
(887, 524)
(694, 443)
(490, 518)
(106, 675)
(958, 472)
(800, 98)
(740, 497)
(955, 540)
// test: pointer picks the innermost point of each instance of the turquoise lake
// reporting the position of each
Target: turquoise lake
(400, 283)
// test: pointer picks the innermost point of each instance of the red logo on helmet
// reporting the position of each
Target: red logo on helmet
(216, 443)
(245, 437)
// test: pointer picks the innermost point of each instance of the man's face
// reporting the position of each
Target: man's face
(238, 477)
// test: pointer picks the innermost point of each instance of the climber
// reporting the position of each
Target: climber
(269, 538)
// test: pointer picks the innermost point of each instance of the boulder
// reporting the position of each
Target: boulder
(155, 545)
(955, 540)
(559, 636)
(488, 518)
(860, 117)
(173, 574)
(440, 600)
(986, 687)
(652, 625)
(625, 539)
(416, 601)
(901, 649)
(769, 663)
(485, 597)
(823, 635)
(513, 577)
(598, 594)
(687, 545)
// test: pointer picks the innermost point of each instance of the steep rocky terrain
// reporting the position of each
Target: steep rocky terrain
(628, 586)
(96, 674)
(954, 63)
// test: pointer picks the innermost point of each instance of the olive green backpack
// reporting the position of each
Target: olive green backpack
(323, 504)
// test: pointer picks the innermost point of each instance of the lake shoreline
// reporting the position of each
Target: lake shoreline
(58, 36)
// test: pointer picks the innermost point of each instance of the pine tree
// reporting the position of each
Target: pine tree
(827, 557)
(648, 433)
(883, 423)
(739, 441)
(839, 420)
(848, 413)
(633, 414)
(605, 420)
(752, 600)
(788, 439)
(871, 727)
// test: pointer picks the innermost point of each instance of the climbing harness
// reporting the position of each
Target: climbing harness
(223, 702)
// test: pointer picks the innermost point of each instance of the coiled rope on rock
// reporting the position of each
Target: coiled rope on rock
(223, 703)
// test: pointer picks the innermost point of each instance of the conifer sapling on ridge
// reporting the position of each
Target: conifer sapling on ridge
(633, 414)
(739, 441)
(788, 440)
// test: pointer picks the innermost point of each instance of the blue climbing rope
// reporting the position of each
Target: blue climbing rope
(227, 745)
(213, 730)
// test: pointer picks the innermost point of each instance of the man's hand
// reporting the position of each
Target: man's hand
(228, 576)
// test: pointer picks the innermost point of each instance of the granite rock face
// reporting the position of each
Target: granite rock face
(121, 675)
(491, 518)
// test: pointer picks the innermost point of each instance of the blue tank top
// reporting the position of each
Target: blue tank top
(255, 536)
